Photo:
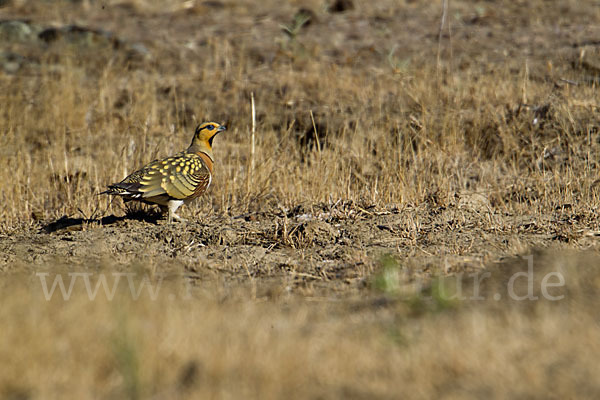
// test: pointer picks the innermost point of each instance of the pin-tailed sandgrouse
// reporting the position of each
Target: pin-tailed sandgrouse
(174, 180)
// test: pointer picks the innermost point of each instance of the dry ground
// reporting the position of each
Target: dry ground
(360, 245)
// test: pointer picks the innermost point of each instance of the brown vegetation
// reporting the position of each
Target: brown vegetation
(390, 161)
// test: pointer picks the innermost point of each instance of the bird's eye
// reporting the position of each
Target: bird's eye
(210, 127)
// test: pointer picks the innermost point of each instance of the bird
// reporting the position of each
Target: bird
(173, 181)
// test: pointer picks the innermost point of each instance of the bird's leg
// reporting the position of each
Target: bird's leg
(173, 206)
(178, 218)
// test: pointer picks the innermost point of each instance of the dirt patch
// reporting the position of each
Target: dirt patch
(336, 246)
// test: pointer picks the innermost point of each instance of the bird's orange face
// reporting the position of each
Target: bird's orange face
(206, 132)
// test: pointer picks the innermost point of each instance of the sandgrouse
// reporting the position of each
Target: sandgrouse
(174, 180)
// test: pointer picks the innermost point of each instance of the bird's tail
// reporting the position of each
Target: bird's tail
(112, 190)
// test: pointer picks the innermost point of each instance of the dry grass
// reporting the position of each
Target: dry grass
(217, 343)
(360, 132)
(390, 131)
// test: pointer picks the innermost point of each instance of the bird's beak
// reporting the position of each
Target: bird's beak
(222, 128)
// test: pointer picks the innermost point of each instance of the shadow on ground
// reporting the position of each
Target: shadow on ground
(69, 223)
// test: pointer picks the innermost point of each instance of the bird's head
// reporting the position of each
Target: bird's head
(203, 137)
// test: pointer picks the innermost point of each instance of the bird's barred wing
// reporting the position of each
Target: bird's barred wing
(130, 185)
(181, 177)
